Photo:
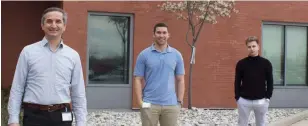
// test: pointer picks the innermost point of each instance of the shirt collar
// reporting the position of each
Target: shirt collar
(44, 42)
(168, 49)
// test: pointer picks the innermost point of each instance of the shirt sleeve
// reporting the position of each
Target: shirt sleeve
(18, 87)
(79, 102)
(238, 81)
(140, 66)
(179, 69)
(269, 81)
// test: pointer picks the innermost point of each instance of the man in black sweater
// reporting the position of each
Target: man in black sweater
(253, 84)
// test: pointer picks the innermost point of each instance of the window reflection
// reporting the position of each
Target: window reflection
(273, 49)
(286, 48)
(296, 57)
(108, 41)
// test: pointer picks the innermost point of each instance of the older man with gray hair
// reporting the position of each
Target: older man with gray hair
(48, 78)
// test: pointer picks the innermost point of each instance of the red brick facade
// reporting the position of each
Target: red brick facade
(218, 49)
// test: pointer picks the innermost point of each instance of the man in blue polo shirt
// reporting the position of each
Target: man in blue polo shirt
(161, 67)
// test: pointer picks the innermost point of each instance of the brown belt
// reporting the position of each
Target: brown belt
(48, 108)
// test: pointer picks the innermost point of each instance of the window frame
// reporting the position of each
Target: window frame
(129, 44)
(284, 24)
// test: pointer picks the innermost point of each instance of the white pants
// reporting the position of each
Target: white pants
(245, 106)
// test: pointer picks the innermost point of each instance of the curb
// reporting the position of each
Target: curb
(288, 121)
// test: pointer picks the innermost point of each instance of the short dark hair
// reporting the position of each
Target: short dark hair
(159, 25)
(251, 39)
(50, 9)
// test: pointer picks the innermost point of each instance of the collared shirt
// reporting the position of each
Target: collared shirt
(46, 77)
(159, 70)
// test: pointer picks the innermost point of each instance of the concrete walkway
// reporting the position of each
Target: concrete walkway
(301, 123)
(299, 119)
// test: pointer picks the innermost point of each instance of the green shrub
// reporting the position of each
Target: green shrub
(5, 93)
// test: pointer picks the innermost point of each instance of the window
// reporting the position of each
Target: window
(108, 48)
(285, 45)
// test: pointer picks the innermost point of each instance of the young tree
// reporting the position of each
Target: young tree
(197, 13)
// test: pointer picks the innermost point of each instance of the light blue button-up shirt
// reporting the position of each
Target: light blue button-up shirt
(46, 77)
(159, 70)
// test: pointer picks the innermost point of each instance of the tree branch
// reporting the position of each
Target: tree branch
(187, 36)
(203, 20)
(190, 16)
(200, 22)
(122, 36)
(124, 31)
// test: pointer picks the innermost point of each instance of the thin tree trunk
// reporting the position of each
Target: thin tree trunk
(190, 79)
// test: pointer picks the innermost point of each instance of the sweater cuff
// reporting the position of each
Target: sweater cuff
(13, 119)
(237, 97)
(267, 96)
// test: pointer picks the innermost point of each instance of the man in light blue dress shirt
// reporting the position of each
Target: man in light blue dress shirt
(48, 78)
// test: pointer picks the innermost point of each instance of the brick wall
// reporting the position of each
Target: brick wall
(219, 47)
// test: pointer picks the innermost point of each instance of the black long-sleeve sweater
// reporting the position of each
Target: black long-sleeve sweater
(253, 78)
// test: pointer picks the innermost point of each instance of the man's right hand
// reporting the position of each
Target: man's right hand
(13, 124)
